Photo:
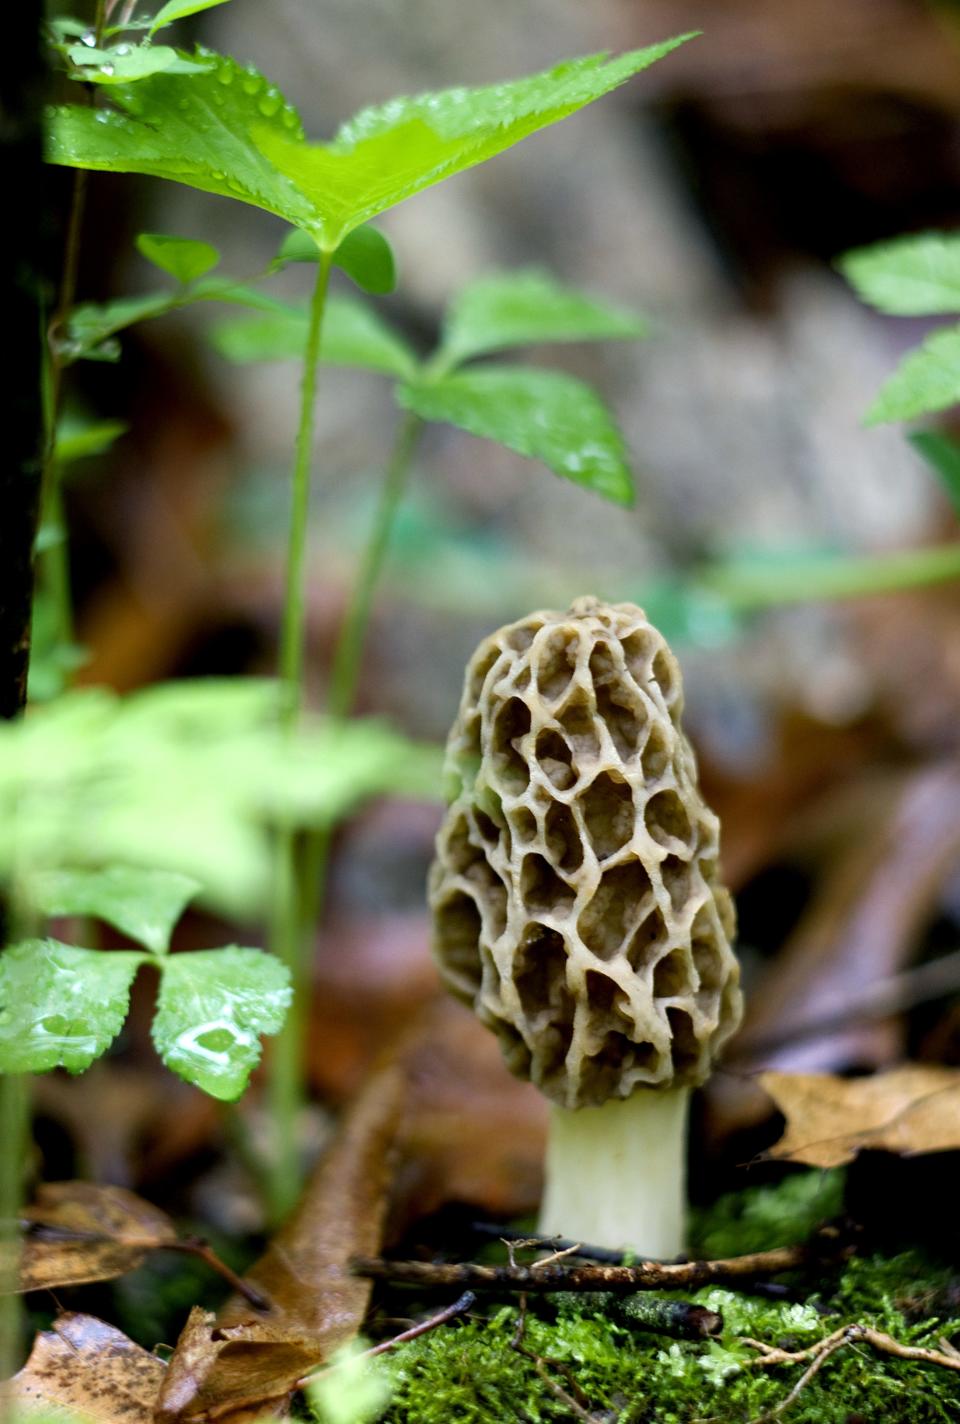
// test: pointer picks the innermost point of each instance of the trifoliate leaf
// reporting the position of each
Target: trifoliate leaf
(942, 453)
(547, 415)
(926, 380)
(179, 10)
(184, 258)
(211, 1009)
(353, 335)
(130, 64)
(226, 132)
(911, 276)
(143, 904)
(524, 309)
(61, 1007)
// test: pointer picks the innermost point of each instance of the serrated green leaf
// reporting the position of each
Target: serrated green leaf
(179, 10)
(78, 439)
(387, 154)
(911, 276)
(353, 335)
(61, 1007)
(225, 132)
(524, 309)
(942, 454)
(130, 64)
(193, 129)
(142, 904)
(926, 380)
(212, 1007)
(546, 415)
(184, 258)
(367, 258)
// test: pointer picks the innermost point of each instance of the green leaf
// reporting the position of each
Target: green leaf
(942, 454)
(61, 1007)
(224, 131)
(386, 154)
(142, 904)
(183, 258)
(544, 414)
(179, 10)
(524, 309)
(194, 129)
(364, 255)
(129, 64)
(211, 1008)
(93, 324)
(367, 258)
(788, 577)
(353, 335)
(926, 380)
(911, 276)
(77, 439)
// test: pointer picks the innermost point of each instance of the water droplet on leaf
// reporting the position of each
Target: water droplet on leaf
(269, 105)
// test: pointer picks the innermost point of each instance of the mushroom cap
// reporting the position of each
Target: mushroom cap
(575, 893)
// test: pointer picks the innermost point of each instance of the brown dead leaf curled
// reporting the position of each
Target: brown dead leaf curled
(909, 1110)
(239, 1365)
(87, 1367)
(78, 1232)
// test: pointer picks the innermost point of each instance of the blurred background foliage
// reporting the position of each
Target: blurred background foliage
(714, 197)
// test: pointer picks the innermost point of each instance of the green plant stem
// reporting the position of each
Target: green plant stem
(291, 927)
(13, 1135)
(353, 630)
(294, 604)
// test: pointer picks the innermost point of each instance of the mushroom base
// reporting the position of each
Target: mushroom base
(616, 1174)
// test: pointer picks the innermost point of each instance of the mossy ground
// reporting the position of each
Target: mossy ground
(468, 1372)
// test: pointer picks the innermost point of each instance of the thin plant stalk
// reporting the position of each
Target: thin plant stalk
(291, 932)
(349, 650)
(56, 559)
(13, 1134)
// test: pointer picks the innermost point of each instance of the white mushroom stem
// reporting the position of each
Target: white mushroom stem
(616, 1174)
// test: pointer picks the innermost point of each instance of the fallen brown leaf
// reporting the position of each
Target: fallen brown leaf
(79, 1232)
(87, 1367)
(241, 1364)
(909, 1110)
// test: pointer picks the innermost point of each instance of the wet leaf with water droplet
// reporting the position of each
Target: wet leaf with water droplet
(61, 1007)
(124, 64)
(211, 1009)
(378, 159)
(143, 904)
(546, 415)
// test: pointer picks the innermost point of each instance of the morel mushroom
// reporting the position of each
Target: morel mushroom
(577, 907)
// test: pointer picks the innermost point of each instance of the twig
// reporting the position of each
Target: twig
(818, 1353)
(194, 1246)
(827, 1245)
(550, 1243)
(460, 1306)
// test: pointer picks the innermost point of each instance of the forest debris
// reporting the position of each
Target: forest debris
(87, 1367)
(827, 1245)
(459, 1307)
(78, 1232)
(818, 1354)
(861, 925)
(909, 1110)
(238, 1365)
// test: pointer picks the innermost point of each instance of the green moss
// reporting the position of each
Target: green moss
(468, 1372)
